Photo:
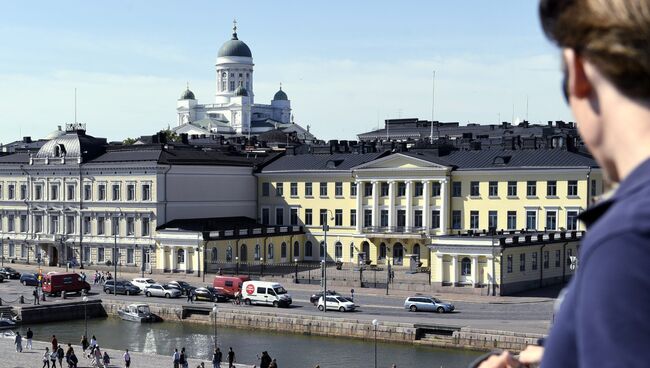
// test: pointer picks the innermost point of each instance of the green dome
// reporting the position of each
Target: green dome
(188, 95)
(280, 96)
(234, 47)
(241, 91)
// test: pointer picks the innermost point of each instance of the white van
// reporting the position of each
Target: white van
(266, 293)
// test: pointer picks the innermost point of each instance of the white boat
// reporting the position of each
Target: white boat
(137, 313)
(7, 323)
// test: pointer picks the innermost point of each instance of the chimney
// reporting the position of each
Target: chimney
(27, 139)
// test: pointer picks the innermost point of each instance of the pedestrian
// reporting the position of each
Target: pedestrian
(183, 359)
(59, 355)
(106, 359)
(127, 359)
(35, 294)
(273, 364)
(53, 357)
(18, 340)
(216, 358)
(68, 353)
(189, 296)
(93, 342)
(72, 363)
(29, 335)
(231, 358)
(177, 358)
(84, 343)
(46, 358)
(98, 356)
(265, 360)
(55, 343)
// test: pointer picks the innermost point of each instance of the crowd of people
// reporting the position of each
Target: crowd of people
(100, 277)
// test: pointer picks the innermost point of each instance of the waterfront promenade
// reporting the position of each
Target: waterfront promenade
(33, 358)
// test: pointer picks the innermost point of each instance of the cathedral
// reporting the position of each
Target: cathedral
(234, 111)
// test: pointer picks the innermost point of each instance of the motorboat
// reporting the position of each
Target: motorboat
(137, 313)
(7, 323)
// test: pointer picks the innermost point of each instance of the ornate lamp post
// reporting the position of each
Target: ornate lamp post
(295, 260)
(214, 319)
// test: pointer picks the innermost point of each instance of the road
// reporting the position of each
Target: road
(528, 316)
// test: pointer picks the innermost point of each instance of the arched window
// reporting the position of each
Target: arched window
(256, 255)
(308, 249)
(351, 251)
(382, 251)
(213, 255)
(270, 252)
(243, 253)
(180, 256)
(296, 250)
(365, 247)
(466, 267)
(338, 250)
(416, 250)
(229, 254)
(283, 250)
(322, 250)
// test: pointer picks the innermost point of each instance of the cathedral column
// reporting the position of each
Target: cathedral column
(409, 206)
(475, 273)
(453, 273)
(360, 192)
(375, 204)
(426, 211)
(392, 219)
(444, 206)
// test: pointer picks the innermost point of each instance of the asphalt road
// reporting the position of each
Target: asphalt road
(524, 317)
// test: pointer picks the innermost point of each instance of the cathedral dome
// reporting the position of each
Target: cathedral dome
(188, 95)
(234, 47)
(241, 91)
(280, 95)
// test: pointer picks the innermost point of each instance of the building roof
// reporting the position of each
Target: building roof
(320, 162)
(175, 156)
(187, 95)
(280, 95)
(241, 91)
(15, 158)
(234, 47)
(237, 227)
(74, 143)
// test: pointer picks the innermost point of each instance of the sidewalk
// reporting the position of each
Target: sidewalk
(33, 358)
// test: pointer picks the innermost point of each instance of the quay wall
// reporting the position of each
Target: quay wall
(60, 311)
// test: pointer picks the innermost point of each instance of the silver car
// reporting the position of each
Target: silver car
(427, 304)
(162, 290)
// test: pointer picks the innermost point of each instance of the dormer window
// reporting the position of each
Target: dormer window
(59, 150)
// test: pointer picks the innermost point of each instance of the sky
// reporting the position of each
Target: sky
(345, 65)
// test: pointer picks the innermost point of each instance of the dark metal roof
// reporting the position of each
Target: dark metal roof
(238, 227)
(321, 162)
(73, 144)
(280, 95)
(234, 47)
(187, 95)
(15, 158)
(175, 156)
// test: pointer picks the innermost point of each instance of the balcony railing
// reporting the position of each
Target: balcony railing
(394, 229)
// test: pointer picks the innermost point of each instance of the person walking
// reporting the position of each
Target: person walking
(18, 340)
(35, 294)
(265, 360)
(216, 358)
(46, 358)
(183, 359)
(98, 357)
(84, 343)
(53, 357)
(127, 359)
(190, 294)
(68, 353)
(93, 342)
(55, 343)
(106, 359)
(231, 358)
(59, 355)
(176, 358)
(29, 335)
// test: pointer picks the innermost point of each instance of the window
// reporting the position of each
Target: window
(293, 189)
(308, 190)
(266, 216)
(509, 263)
(294, 216)
(70, 192)
(417, 218)
(534, 261)
(214, 255)
(323, 217)
(456, 189)
(38, 192)
(23, 223)
(367, 190)
(145, 224)
(382, 251)
(308, 216)
(551, 220)
(594, 188)
(401, 189)
(545, 259)
(435, 189)
(383, 218)
(572, 220)
(180, 256)
(130, 259)
(23, 251)
(492, 220)
(296, 249)
(522, 262)
(283, 250)
(1, 191)
(130, 192)
(338, 217)
(474, 189)
(351, 251)
(69, 224)
(279, 216)
(100, 254)
(101, 189)
(416, 250)
(12, 249)
(100, 225)
(11, 223)
(279, 189)
(12, 192)
(493, 189)
(232, 86)
(54, 192)
(338, 189)
(38, 223)
(23, 191)
(401, 218)
(115, 226)
(512, 189)
(338, 250)
(367, 218)
(116, 192)
(419, 188)
(551, 188)
(473, 220)
(86, 254)
(323, 189)
(86, 225)
(265, 189)
(0, 223)
(512, 220)
(353, 189)
(353, 217)
(531, 188)
(558, 256)
(385, 189)
(87, 192)
(455, 219)
(146, 192)
(572, 188)
(270, 252)
(130, 226)
(466, 267)
(308, 249)
(531, 220)
(435, 219)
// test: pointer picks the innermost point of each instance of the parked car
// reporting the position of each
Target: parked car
(427, 304)
(120, 287)
(162, 290)
(64, 282)
(230, 284)
(9, 273)
(29, 279)
(142, 283)
(336, 302)
(211, 294)
(183, 286)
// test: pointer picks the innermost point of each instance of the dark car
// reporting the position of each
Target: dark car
(314, 298)
(210, 294)
(121, 287)
(29, 279)
(9, 273)
(183, 286)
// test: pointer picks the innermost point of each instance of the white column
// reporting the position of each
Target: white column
(409, 205)
(426, 211)
(392, 219)
(444, 206)
(188, 265)
(475, 273)
(359, 206)
(490, 278)
(441, 270)
(375, 203)
(454, 270)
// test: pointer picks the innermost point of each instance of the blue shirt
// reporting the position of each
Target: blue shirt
(604, 319)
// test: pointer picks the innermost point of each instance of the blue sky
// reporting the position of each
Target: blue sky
(345, 65)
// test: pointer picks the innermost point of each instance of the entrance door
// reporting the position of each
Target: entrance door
(54, 258)
(147, 260)
(398, 254)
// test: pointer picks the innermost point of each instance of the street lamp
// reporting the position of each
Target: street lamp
(214, 318)
(295, 260)
(236, 265)
(375, 323)
(85, 299)
(261, 267)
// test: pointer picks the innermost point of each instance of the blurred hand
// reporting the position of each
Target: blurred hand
(503, 360)
(531, 355)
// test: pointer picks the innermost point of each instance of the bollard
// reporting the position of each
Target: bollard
(22, 299)
(63, 295)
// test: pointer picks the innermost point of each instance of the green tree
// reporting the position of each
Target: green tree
(129, 141)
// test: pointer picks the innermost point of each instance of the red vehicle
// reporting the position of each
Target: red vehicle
(56, 283)
(230, 284)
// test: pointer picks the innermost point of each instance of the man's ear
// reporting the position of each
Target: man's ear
(579, 85)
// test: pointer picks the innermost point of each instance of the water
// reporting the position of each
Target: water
(291, 350)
